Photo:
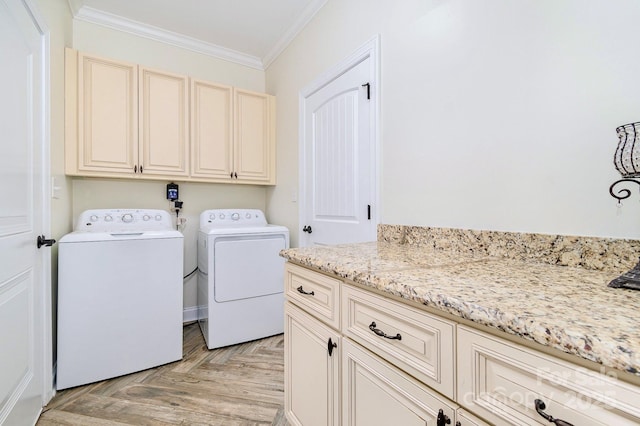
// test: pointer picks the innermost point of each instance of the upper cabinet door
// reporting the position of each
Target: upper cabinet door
(107, 96)
(254, 142)
(211, 130)
(164, 125)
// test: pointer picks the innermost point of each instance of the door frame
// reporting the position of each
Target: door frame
(44, 144)
(371, 50)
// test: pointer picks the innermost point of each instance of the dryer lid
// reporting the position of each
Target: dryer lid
(232, 218)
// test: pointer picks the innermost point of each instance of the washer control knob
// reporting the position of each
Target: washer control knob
(248, 215)
(221, 215)
(235, 216)
(212, 216)
(127, 218)
(93, 218)
(158, 217)
(108, 218)
(146, 217)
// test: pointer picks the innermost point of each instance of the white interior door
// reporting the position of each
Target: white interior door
(23, 285)
(339, 155)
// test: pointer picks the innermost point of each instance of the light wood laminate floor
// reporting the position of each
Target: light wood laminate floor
(236, 385)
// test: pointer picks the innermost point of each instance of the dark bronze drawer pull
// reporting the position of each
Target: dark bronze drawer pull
(381, 333)
(300, 290)
(540, 405)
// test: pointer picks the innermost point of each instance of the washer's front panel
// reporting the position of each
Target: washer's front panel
(119, 308)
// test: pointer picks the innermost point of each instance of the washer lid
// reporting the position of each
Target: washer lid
(82, 236)
(124, 220)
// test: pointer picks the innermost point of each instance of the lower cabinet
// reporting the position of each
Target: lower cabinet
(312, 370)
(375, 393)
(368, 360)
(507, 383)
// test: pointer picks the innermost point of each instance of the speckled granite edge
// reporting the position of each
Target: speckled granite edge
(608, 337)
(587, 252)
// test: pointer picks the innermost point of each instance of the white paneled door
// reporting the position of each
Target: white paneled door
(338, 173)
(24, 287)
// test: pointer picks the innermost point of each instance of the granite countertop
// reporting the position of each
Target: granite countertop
(564, 307)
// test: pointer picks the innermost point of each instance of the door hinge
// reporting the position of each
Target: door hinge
(368, 211)
(368, 86)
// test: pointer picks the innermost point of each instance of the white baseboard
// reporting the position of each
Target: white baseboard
(190, 314)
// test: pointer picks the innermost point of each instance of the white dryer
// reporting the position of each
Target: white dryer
(240, 276)
(119, 295)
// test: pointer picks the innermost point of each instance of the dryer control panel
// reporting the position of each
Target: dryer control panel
(231, 218)
(109, 220)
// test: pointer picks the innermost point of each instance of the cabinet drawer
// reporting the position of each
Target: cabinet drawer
(501, 381)
(376, 393)
(425, 347)
(315, 293)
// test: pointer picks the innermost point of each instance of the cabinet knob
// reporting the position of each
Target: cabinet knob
(331, 346)
(442, 419)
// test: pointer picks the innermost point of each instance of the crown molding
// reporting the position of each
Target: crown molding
(306, 17)
(109, 20)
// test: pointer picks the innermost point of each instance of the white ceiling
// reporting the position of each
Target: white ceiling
(250, 32)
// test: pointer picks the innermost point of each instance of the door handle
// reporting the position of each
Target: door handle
(307, 228)
(42, 241)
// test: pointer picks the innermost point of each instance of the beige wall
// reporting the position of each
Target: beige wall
(495, 114)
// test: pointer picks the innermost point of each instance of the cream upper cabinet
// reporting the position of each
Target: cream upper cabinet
(126, 120)
(101, 115)
(211, 130)
(254, 137)
(232, 134)
(163, 119)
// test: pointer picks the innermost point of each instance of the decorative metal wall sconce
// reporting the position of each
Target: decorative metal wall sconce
(627, 162)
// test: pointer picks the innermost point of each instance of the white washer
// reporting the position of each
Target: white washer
(240, 276)
(119, 295)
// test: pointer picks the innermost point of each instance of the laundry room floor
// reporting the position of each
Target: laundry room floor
(236, 385)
